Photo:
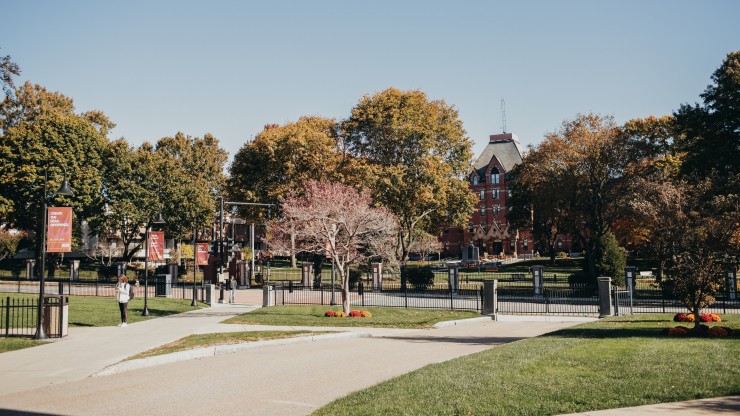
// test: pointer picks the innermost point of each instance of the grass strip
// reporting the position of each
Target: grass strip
(312, 315)
(616, 362)
(221, 338)
(103, 310)
(17, 343)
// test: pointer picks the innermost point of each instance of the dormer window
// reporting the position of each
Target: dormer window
(475, 179)
(494, 176)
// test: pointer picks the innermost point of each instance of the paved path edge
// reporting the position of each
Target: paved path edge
(218, 350)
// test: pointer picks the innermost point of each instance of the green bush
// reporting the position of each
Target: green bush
(610, 259)
(419, 277)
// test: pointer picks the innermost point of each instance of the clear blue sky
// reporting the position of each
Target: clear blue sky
(230, 67)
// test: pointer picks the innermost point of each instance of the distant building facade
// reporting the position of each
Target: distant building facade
(488, 229)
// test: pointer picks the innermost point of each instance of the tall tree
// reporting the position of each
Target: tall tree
(192, 174)
(710, 133)
(579, 172)
(8, 69)
(41, 130)
(538, 201)
(338, 220)
(418, 155)
(283, 158)
(131, 178)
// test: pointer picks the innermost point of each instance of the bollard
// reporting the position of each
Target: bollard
(606, 307)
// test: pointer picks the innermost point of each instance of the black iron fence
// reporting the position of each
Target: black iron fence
(392, 295)
(562, 299)
(18, 316)
(157, 287)
(649, 297)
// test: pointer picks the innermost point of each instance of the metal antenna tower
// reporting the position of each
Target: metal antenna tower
(503, 115)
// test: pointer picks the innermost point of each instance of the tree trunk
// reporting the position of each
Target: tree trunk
(292, 250)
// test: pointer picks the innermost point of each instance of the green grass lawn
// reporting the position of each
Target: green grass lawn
(101, 311)
(301, 315)
(222, 338)
(13, 343)
(615, 362)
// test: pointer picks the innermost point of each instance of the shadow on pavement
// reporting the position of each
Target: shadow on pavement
(458, 340)
(6, 412)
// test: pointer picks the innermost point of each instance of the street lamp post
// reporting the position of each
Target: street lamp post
(195, 265)
(63, 190)
(159, 220)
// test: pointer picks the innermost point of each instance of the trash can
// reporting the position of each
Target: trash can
(210, 295)
(56, 315)
(163, 285)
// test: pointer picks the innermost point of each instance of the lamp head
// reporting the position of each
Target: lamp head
(160, 220)
(64, 189)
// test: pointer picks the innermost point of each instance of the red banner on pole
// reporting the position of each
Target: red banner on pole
(201, 254)
(156, 246)
(59, 234)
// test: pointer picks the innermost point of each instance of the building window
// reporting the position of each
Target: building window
(560, 244)
(496, 209)
(511, 245)
(509, 193)
(475, 179)
(526, 244)
(482, 195)
(494, 176)
(482, 212)
(494, 193)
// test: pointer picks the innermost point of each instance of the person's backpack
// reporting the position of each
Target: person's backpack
(130, 291)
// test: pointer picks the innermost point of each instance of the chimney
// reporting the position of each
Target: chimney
(503, 137)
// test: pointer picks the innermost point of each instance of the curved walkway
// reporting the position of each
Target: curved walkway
(288, 378)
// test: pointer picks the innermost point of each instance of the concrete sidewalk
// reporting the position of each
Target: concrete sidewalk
(86, 351)
(714, 406)
(308, 375)
(54, 370)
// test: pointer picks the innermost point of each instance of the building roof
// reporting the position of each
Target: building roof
(505, 147)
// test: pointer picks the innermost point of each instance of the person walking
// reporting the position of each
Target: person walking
(232, 289)
(123, 291)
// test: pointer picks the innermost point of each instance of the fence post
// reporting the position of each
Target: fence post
(452, 300)
(406, 296)
(537, 283)
(615, 293)
(7, 315)
(490, 298)
(605, 299)
(267, 296)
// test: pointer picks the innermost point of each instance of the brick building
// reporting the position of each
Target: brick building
(488, 229)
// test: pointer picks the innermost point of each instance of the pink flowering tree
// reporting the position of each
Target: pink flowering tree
(340, 221)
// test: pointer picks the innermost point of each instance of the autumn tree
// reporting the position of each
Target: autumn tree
(417, 154)
(539, 201)
(708, 233)
(9, 242)
(426, 244)
(332, 218)
(575, 178)
(282, 159)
